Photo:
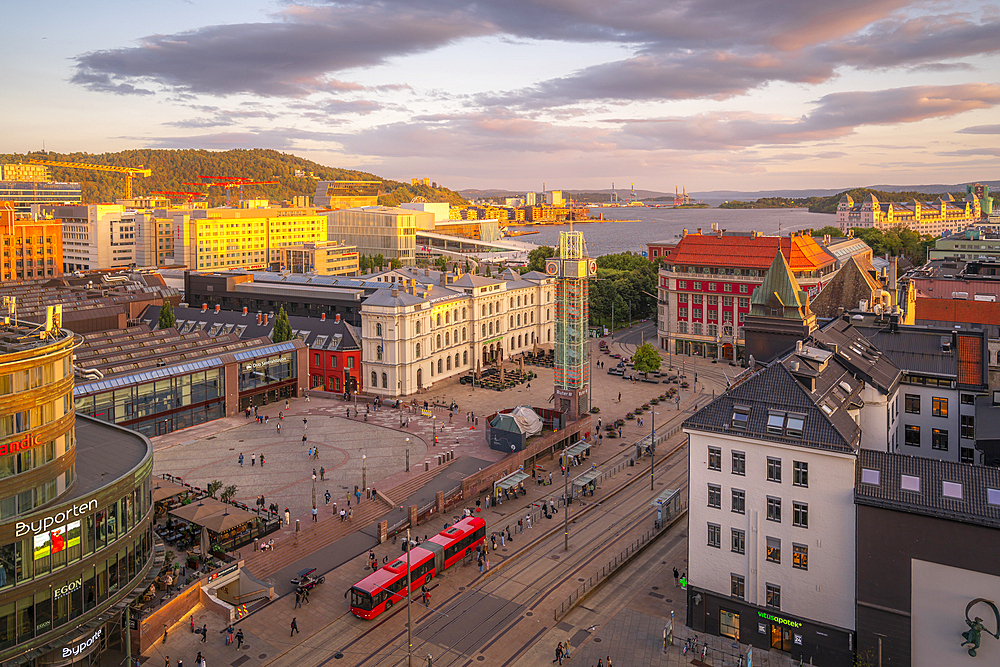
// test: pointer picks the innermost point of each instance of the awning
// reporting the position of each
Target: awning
(163, 489)
(578, 448)
(229, 518)
(587, 477)
(205, 507)
(511, 480)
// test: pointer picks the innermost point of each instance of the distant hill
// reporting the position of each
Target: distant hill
(173, 168)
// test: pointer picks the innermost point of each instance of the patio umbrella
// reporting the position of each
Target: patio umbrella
(199, 510)
(204, 543)
(162, 489)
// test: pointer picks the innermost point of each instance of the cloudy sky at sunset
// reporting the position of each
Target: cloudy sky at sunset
(710, 94)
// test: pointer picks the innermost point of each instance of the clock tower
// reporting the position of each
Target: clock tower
(572, 269)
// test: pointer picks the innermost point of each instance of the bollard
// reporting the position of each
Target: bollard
(296, 525)
(427, 465)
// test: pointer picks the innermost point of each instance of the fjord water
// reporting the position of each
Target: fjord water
(664, 224)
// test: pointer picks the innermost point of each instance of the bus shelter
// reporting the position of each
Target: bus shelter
(576, 449)
(586, 482)
(511, 481)
(668, 505)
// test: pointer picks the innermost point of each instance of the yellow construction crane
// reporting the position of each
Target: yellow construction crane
(128, 171)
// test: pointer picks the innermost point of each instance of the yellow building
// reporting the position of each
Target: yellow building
(31, 173)
(934, 218)
(249, 238)
(324, 258)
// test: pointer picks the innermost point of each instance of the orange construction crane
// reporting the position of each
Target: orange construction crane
(129, 172)
(188, 195)
(231, 183)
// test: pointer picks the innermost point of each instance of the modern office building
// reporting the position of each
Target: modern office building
(31, 249)
(441, 210)
(235, 238)
(935, 218)
(380, 230)
(971, 245)
(334, 345)
(95, 236)
(156, 382)
(333, 195)
(22, 187)
(323, 258)
(75, 513)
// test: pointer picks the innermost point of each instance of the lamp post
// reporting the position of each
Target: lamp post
(364, 472)
(652, 445)
(409, 624)
(314, 490)
(565, 499)
(407, 455)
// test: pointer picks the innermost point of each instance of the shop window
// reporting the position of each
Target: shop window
(729, 621)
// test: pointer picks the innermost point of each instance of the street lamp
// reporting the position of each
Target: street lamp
(652, 445)
(314, 490)
(407, 455)
(364, 472)
(565, 458)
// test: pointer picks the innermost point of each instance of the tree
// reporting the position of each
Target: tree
(441, 263)
(537, 257)
(228, 493)
(646, 359)
(829, 230)
(213, 487)
(167, 319)
(282, 329)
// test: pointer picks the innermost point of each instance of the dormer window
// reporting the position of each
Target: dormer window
(775, 422)
(741, 415)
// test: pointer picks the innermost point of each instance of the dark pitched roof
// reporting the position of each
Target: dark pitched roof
(858, 353)
(775, 388)
(851, 284)
(973, 485)
(317, 333)
(919, 350)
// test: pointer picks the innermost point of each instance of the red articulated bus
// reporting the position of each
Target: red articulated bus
(387, 586)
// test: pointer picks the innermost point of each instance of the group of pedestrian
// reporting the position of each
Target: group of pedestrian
(301, 596)
(313, 452)
(253, 460)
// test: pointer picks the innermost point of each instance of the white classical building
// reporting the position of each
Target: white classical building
(434, 325)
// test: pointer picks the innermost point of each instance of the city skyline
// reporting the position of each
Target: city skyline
(758, 95)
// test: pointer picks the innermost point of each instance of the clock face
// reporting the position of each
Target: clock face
(551, 268)
(592, 267)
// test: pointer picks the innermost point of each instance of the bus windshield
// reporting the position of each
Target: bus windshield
(361, 599)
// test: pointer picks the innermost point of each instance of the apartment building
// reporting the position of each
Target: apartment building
(935, 218)
(95, 236)
(324, 258)
(374, 230)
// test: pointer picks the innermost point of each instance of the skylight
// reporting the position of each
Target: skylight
(869, 476)
(909, 483)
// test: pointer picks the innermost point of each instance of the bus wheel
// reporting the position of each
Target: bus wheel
(430, 575)
(388, 604)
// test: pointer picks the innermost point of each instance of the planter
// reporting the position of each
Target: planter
(629, 416)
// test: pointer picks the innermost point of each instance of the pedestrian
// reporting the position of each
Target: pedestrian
(314, 514)
(559, 653)
(167, 663)
(295, 627)
(267, 418)
(305, 423)
(253, 460)
(343, 515)
(241, 459)
(609, 661)
(286, 405)
(508, 534)
(503, 543)
(305, 595)
(304, 441)
(600, 662)
(279, 428)
(677, 576)
(619, 397)
(350, 514)
(327, 496)
(288, 517)
(262, 460)
(204, 633)
(270, 544)
(239, 639)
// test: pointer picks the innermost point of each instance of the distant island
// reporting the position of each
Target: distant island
(775, 202)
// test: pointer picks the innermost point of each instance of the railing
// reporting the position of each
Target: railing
(613, 565)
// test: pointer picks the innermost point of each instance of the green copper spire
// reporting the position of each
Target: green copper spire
(780, 296)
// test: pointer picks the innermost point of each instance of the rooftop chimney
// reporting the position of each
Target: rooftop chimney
(322, 317)
(265, 320)
(444, 279)
(244, 311)
(395, 292)
(336, 318)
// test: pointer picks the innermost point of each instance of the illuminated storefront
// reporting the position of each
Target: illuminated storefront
(75, 536)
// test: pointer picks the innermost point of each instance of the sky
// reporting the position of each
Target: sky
(705, 94)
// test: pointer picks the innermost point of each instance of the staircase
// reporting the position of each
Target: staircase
(329, 529)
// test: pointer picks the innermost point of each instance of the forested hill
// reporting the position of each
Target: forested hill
(173, 168)
(829, 204)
